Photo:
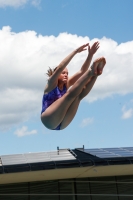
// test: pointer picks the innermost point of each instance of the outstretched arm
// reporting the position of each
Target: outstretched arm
(53, 80)
(65, 62)
(91, 51)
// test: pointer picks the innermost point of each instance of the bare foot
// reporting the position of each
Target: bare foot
(94, 67)
(101, 65)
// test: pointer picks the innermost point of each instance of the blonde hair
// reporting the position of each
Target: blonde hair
(50, 71)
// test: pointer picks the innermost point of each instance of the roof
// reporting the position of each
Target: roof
(66, 163)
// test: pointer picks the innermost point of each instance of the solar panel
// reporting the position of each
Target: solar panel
(111, 152)
(13, 159)
(0, 162)
(59, 155)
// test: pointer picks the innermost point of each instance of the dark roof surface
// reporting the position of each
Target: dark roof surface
(65, 158)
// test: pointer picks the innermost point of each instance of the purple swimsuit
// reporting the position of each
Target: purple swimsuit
(51, 97)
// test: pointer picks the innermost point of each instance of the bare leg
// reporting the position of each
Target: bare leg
(64, 109)
(71, 112)
(88, 87)
(74, 106)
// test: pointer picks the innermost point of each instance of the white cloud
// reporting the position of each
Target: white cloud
(127, 113)
(18, 3)
(24, 131)
(12, 3)
(18, 105)
(86, 122)
(24, 60)
(36, 3)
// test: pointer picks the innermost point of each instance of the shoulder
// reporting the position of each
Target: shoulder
(49, 87)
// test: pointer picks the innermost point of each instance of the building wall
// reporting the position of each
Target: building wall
(101, 188)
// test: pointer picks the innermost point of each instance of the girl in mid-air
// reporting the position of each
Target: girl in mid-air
(60, 100)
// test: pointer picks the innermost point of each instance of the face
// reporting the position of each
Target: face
(63, 76)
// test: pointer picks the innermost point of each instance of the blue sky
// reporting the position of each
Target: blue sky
(35, 34)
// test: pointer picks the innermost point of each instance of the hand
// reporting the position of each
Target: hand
(92, 50)
(82, 48)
